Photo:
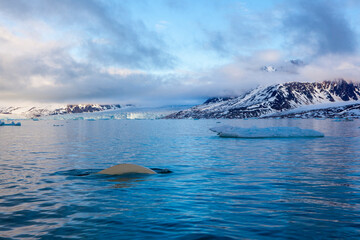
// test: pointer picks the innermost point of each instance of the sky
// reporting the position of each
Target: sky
(161, 52)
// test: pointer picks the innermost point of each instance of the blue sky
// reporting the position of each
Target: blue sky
(158, 52)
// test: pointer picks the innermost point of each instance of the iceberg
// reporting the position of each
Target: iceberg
(270, 132)
(10, 124)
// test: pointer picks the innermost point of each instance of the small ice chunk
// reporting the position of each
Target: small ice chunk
(270, 132)
(10, 124)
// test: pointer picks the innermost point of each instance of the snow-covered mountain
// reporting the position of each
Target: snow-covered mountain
(46, 110)
(272, 100)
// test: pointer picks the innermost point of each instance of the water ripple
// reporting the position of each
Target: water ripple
(219, 188)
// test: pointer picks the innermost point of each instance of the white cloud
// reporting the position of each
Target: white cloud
(123, 72)
(161, 25)
(38, 81)
(331, 66)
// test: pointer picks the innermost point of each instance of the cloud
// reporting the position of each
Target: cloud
(217, 41)
(244, 31)
(76, 51)
(245, 73)
(81, 51)
(333, 66)
(125, 41)
(305, 29)
(316, 31)
(320, 27)
(45, 71)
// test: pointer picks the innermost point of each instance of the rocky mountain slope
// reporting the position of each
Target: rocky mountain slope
(271, 100)
(46, 110)
(347, 110)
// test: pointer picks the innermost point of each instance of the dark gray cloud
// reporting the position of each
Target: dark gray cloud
(110, 38)
(308, 28)
(244, 31)
(60, 79)
(77, 51)
(44, 72)
(320, 26)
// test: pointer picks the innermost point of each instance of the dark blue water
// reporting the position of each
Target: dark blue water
(305, 188)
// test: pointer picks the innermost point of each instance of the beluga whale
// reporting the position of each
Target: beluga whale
(126, 168)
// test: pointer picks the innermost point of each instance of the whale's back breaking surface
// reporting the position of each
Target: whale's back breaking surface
(125, 168)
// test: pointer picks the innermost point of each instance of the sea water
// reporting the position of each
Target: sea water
(219, 188)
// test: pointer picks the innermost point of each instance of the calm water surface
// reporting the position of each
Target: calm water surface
(305, 188)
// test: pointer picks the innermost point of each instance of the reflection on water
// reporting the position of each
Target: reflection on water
(126, 182)
(230, 188)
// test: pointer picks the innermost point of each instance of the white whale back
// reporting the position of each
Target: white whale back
(125, 168)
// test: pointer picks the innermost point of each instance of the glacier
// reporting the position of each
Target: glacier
(270, 132)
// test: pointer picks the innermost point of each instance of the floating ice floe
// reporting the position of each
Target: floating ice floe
(271, 132)
(10, 124)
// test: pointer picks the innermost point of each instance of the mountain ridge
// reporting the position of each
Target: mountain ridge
(276, 98)
(48, 110)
